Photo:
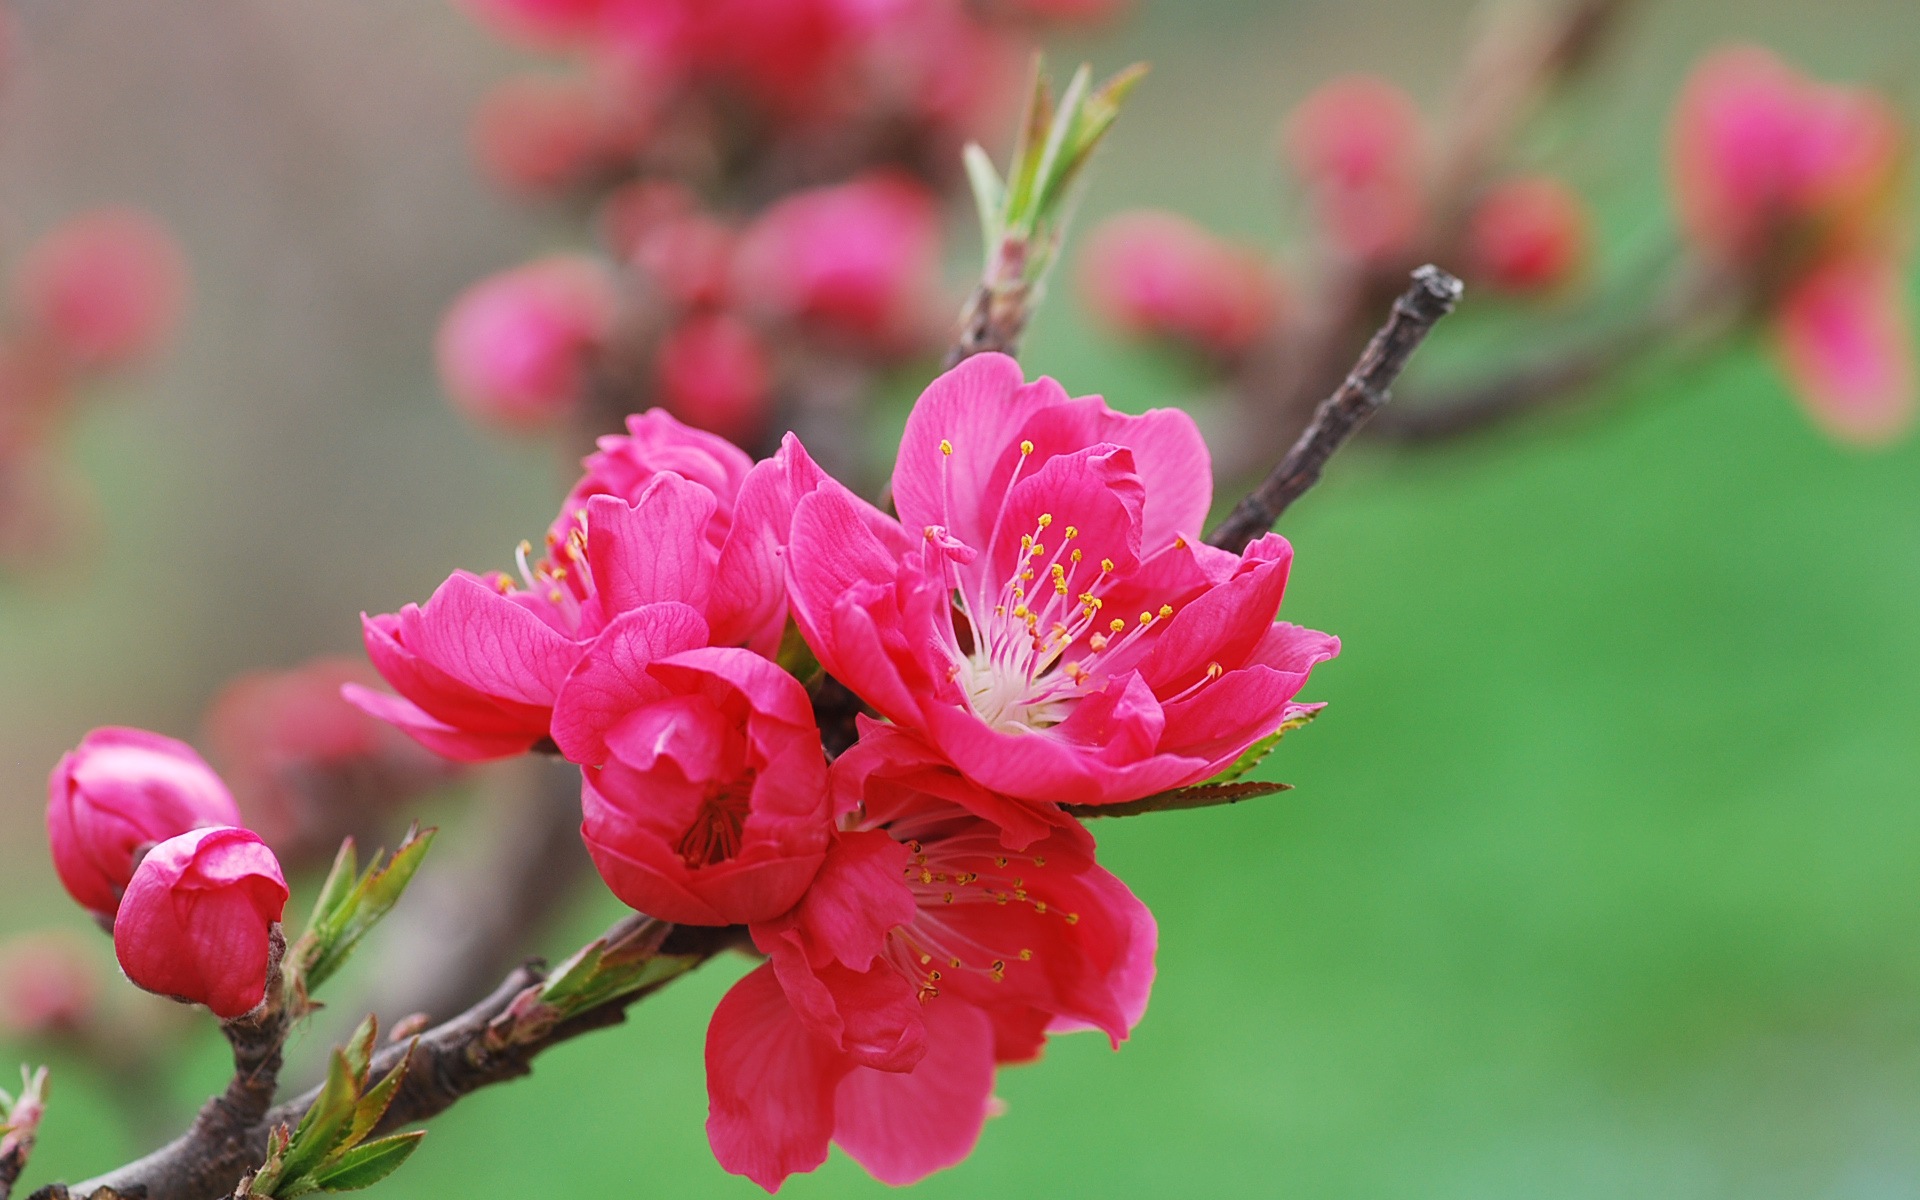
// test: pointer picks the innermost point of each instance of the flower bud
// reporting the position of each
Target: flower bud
(540, 136)
(1358, 143)
(117, 794)
(196, 923)
(105, 288)
(1528, 235)
(47, 986)
(512, 349)
(1155, 274)
(706, 794)
(625, 463)
(714, 376)
(860, 259)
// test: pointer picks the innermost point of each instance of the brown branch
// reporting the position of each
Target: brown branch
(1431, 296)
(993, 321)
(485, 1045)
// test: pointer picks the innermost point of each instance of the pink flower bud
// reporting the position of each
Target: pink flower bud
(706, 798)
(512, 349)
(196, 922)
(860, 259)
(1155, 274)
(106, 288)
(1765, 158)
(117, 794)
(714, 376)
(541, 136)
(48, 986)
(1358, 143)
(1844, 335)
(1528, 235)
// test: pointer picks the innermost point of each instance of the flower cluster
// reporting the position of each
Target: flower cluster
(1793, 187)
(147, 838)
(1039, 625)
(767, 179)
(98, 294)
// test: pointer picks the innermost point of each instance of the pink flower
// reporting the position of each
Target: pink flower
(926, 953)
(117, 794)
(106, 288)
(705, 785)
(48, 986)
(1528, 234)
(307, 766)
(858, 259)
(197, 918)
(541, 136)
(513, 348)
(1156, 274)
(714, 375)
(1844, 335)
(783, 53)
(1358, 143)
(1765, 159)
(665, 513)
(1052, 623)
(689, 257)
(540, 23)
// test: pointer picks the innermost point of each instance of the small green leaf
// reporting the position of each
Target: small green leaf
(321, 1129)
(989, 195)
(374, 1103)
(364, 1166)
(359, 1050)
(346, 867)
(372, 896)
(1257, 753)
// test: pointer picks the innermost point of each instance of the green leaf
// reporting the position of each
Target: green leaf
(605, 969)
(989, 195)
(1200, 795)
(364, 1166)
(321, 1129)
(346, 865)
(1257, 753)
(359, 1050)
(372, 896)
(374, 1103)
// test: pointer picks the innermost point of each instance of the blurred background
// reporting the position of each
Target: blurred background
(1602, 876)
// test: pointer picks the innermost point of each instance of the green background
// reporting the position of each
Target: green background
(1602, 877)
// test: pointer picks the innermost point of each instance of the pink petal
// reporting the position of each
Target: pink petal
(749, 604)
(611, 677)
(461, 745)
(1169, 455)
(904, 1127)
(656, 549)
(770, 1084)
(1222, 625)
(976, 409)
(857, 898)
(489, 643)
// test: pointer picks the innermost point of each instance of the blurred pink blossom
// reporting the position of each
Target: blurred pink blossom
(1528, 234)
(513, 348)
(1157, 274)
(106, 288)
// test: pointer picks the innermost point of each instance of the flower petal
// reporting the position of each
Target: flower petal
(904, 1127)
(770, 1084)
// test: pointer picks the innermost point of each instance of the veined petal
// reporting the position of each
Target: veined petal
(770, 1084)
(904, 1127)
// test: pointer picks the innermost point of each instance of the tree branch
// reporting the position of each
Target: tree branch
(492, 1042)
(1431, 296)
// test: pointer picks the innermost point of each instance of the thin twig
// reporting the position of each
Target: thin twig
(1431, 296)
(1207, 795)
(476, 1049)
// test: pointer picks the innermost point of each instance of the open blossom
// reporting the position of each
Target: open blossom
(861, 259)
(512, 350)
(704, 784)
(117, 794)
(196, 923)
(1765, 160)
(1528, 234)
(1358, 143)
(926, 953)
(663, 513)
(1044, 612)
(105, 288)
(1158, 274)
